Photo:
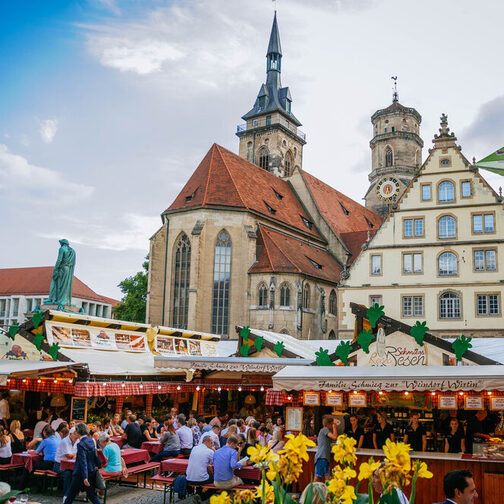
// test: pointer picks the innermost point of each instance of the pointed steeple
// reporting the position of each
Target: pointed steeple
(274, 46)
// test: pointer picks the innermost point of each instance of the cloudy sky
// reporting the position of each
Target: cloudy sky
(107, 106)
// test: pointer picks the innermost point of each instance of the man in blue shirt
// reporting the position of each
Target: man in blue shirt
(225, 461)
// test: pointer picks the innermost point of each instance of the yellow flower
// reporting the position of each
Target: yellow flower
(269, 493)
(344, 474)
(259, 454)
(422, 471)
(334, 486)
(289, 469)
(397, 453)
(348, 496)
(297, 446)
(222, 498)
(243, 497)
(367, 469)
(344, 450)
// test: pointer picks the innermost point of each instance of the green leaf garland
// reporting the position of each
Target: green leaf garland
(374, 313)
(364, 338)
(13, 330)
(278, 348)
(343, 351)
(460, 346)
(418, 331)
(323, 358)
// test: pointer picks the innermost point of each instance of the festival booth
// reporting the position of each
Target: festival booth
(118, 359)
(240, 381)
(397, 368)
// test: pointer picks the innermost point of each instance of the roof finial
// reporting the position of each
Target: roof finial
(275, 4)
(395, 96)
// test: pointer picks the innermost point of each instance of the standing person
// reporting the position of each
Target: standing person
(86, 465)
(480, 423)
(200, 461)
(416, 435)
(18, 441)
(169, 440)
(459, 487)
(454, 441)
(67, 449)
(225, 461)
(185, 435)
(5, 409)
(355, 431)
(327, 434)
(132, 434)
(382, 432)
(5, 447)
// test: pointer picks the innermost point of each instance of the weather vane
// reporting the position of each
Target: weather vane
(396, 94)
(275, 4)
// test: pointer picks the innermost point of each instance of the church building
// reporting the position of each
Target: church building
(254, 239)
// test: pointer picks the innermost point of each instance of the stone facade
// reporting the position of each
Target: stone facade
(439, 256)
(396, 149)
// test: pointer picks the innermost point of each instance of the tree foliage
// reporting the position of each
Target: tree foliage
(134, 302)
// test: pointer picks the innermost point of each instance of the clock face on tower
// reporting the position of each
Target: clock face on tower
(388, 188)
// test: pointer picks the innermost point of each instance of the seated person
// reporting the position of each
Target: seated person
(49, 447)
(95, 430)
(18, 441)
(264, 436)
(5, 447)
(185, 434)
(112, 453)
(37, 431)
(132, 434)
(169, 440)
(67, 449)
(125, 422)
(214, 432)
(115, 428)
(62, 430)
(149, 430)
(200, 462)
(226, 460)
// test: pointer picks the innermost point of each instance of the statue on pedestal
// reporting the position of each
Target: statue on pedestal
(60, 292)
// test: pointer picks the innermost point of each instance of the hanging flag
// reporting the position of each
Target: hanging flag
(494, 162)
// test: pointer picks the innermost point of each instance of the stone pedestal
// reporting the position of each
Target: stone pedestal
(67, 308)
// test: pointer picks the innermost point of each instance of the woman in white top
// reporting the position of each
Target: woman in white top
(5, 447)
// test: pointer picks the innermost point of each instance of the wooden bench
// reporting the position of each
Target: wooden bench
(47, 475)
(167, 480)
(10, 469)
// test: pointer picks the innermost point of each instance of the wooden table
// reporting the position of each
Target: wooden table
(26, 458)
(118, 440)
(130, 456)
(152, 446)
(180, 466)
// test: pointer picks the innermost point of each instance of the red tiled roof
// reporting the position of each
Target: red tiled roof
(37, 281)
(278, 252)
(334, 207)
(225, 179)
(354, 242)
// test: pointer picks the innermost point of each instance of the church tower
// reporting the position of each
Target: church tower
(396, 150)
(270, 138)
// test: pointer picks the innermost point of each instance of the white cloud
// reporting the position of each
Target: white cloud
(142, 57)
(37, 184)
(132, 233)
(48, 129)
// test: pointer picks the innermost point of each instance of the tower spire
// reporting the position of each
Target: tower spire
(274, 54)
(395, 96)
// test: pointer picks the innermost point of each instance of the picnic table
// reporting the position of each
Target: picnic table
(26, 458)
(118, 440)
(179, 465)
(152, 446)
(130, 456)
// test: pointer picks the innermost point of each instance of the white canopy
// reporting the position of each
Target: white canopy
(22, 368)
(399, 378)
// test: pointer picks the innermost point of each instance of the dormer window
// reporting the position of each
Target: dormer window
(288, 108)
(307, 223)
(191, 196)
(369, 223)
(315, 263)
(262, 102)
(271, 210)
(345, 211)
(277, 194)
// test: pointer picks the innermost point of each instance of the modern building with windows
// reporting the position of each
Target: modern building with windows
(23, 289)
(439, 256)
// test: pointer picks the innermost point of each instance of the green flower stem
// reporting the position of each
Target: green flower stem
(370, 490)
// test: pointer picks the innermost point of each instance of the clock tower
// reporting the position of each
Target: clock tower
(396, 150)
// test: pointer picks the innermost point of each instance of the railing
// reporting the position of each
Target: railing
(258, 123)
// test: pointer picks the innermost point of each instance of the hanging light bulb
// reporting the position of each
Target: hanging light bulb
(289, 398)
(159, 387)
(178, 387)
(70, 380)
(461, 393)
(355, 391)
(381, 392)
(39, 381)
(24, 380)
(406, 393)
(198, 388)
(55, 381)
(141, 385)
(122, 384)
(104, 384)
(433, 393)
(262, 388)
(219, 389)
(489, 392)
(239, 389)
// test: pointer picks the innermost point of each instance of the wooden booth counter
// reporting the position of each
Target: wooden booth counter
(488, 474)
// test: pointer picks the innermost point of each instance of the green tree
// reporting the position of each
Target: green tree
(134, 303)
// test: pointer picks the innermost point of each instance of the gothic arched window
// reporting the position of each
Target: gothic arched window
(263, 296)
(284, 295)
(181, 275)
(222, 280)
(332, 336)
(332, 303)
(264, 159)
(288, 164)
(389, 157)
(306, 296)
